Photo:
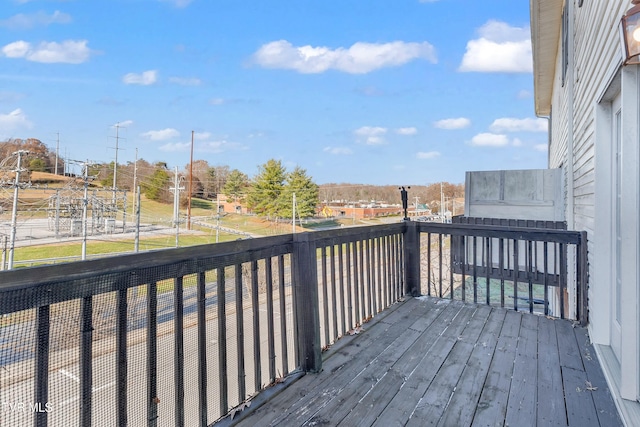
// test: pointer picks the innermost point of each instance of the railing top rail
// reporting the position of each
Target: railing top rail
(343, 235)
(219, 253)
(505, 232)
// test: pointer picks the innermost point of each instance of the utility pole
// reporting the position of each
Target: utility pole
(135, 180)
(137, 239)
(14, 214)
(115, 165)
(190, 185)
(176, 203)
(57, 214)
(57, 150)
(85, 202)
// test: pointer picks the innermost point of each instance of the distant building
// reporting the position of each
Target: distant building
(359, 211)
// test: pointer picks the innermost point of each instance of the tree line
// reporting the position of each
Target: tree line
(269, 193)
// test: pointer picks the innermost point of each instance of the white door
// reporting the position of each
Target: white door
(617, 229)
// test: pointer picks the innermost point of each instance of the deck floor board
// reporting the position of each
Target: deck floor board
(441, 362)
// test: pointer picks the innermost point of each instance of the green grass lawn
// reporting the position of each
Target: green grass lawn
(95, 247)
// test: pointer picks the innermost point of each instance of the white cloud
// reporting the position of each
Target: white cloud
(145, 79)
(338, 150)
(500, 48)
(541, 147)
(516, 142)
(524, 94)
(23, 21)
(14, 120)
(428, 154)
(360, 58)
(508, 124)
(221, 146)
(451, 124)
(161, 135)
(489, 140)
(407, 131)
(199, 136)
(69, 51)
(371, 135)
(216, 101)
(175, 146)
(185, 81)
(123, 124)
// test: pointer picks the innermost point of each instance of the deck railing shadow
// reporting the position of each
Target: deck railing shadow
(189, 336)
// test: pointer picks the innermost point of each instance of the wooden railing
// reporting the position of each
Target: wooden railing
(185, 335)
(541, 270)
(188, 336)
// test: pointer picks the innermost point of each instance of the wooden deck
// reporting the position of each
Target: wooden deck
(437, 362)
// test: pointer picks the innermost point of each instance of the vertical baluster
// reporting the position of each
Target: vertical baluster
(463, 264)
(325, 296)
(563, 276)
(487, 250)
(121, 358)
(202, 349)
(401, 271)
(363, 284)
(41, 391)
(451, 284)
(429, 264)
(349, 286)
(255, 307)
(371, 277)
(530, 273)
(334, 299)
(396, 269)
(385, 271)
(152, 354)
(516, 265)
(356, 284)
(341, 284)
(86, 367)
(367, 284)
(283, 317)
(378, 267)
(222, 342)
(178, 360)
(242, 387)
(270, 325)
(501, 267)
(439, 265)
(475, 270)
(545, 276)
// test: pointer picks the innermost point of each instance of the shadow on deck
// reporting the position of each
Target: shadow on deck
(428, 361)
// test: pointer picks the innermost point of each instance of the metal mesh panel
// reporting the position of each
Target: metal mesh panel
(17, 350)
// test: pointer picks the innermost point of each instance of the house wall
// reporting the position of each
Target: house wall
(581, 143)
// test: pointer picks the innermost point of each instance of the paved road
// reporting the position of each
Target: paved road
(64, 382)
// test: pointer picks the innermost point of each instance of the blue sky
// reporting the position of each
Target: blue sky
(376, 91)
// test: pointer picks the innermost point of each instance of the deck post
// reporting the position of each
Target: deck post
(582, 263)
(305, 295)
(412, 258)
